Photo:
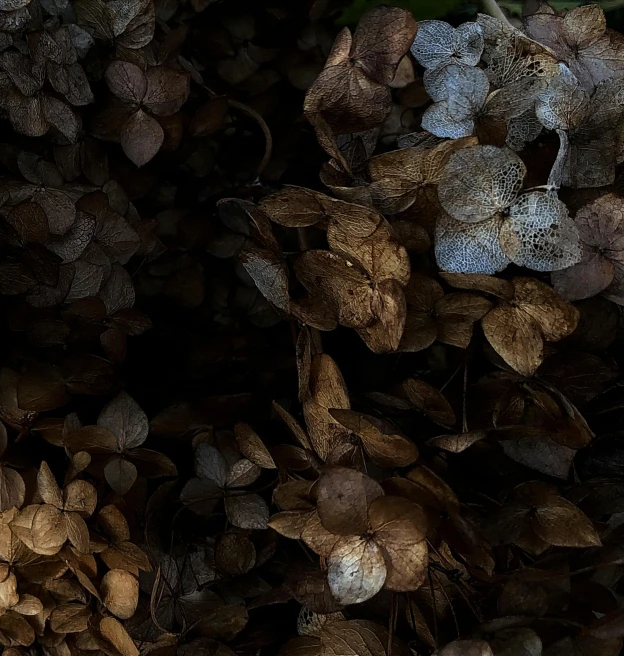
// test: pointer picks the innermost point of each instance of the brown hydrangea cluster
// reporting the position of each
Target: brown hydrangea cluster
(250, 477)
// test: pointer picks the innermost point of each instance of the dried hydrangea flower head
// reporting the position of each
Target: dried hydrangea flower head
(466, 104)
(491, 223)
(581, 40)
(601, 269)
(593, 124)
(438, 44)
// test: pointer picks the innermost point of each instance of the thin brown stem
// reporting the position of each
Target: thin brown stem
(253, 114)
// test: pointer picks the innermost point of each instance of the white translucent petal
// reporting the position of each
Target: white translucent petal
(434, 43)
(441, 121)
(469, 247)
(514, 100)
(539, 234)
(469, 43)
(563, 104)
(446, 81)
(517, 57)
(522, 130)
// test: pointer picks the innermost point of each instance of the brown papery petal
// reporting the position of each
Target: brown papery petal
(49, 530)
(294, 207)
(317, 537)
(252, 447)
(562, 524)
(388, 304)
(114, 632)
(383, 36)
(353, 638)
(342, 497)
(120, 593)
(346, 289)
(480, 282)
(556, 317)
(347, 99)
(516, 337)
(429, 400)
(385, 445)
(327, 390)
(48, 487)
(80, 497)
(290, 523)
(399, 528)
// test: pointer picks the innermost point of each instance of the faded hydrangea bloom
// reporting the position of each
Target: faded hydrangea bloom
(601, 269)
(581, 40)
(491, 223)
(593, 124)
(467, 105)
(438, 44)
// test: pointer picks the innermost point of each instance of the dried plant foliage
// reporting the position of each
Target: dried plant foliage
(481, 187)
(253, 402)
(599, 270)
(581, 40)
(352, 91)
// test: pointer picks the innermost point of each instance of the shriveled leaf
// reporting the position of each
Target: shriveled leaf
(327, 390)
(49, 530)
(70, 618)
(562, 524)
(515, 337)
(48, 487)
(269, 273)
(127, 81)
(114, 632)
(12, 489)
(458, 442)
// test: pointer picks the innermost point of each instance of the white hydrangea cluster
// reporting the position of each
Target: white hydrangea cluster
(505, 86)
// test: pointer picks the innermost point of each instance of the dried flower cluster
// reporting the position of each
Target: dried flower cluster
(198, 456)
